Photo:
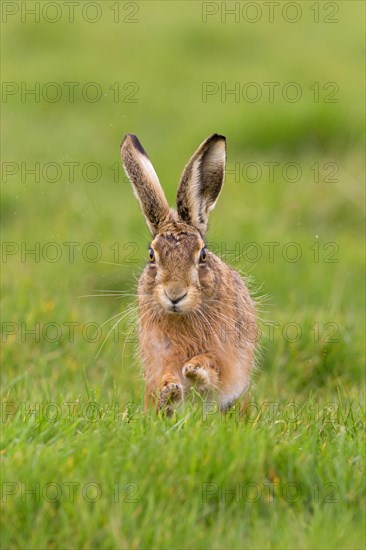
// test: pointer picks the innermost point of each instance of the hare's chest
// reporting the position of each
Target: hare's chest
(160, 345)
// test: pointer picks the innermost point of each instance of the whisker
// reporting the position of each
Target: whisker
(105, 296)
(106, 338)
(114, 316)
(115, 263)
(111, 291)
(124, 314)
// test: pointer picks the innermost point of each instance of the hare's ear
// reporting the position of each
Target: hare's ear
(145, 183)
(201, 182)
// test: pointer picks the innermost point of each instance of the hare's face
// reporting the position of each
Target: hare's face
(178, 277)
(176, 259)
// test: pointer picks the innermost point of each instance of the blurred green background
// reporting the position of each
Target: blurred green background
(162, 57)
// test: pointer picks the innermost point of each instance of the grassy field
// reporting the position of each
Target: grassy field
(82, 465)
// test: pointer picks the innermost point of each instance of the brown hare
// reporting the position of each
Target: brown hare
(197, 324)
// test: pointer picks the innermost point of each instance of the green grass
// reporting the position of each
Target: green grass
(168, 484)
(290, 474)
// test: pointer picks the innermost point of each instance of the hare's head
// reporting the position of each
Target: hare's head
(180, 267)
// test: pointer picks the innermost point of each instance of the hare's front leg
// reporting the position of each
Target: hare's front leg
(170, 393)
(202, 371)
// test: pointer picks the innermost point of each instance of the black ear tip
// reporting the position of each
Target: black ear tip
(217, 137)
(134, 141)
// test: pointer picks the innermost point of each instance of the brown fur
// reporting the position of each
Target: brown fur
(197, 323)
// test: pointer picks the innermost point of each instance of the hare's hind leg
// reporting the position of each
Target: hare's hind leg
(202, 371)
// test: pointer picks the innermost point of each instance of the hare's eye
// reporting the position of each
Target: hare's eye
(151, 255)
(203, 255)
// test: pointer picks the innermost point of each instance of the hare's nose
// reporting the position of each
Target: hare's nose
(174, 298)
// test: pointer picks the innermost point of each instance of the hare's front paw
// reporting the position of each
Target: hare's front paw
(170, 394)
(201, 372)
(196, 374)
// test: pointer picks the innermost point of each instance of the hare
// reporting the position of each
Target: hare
(197, 324)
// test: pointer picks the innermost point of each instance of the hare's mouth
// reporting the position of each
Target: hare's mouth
(178, 309)
(175, 304)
